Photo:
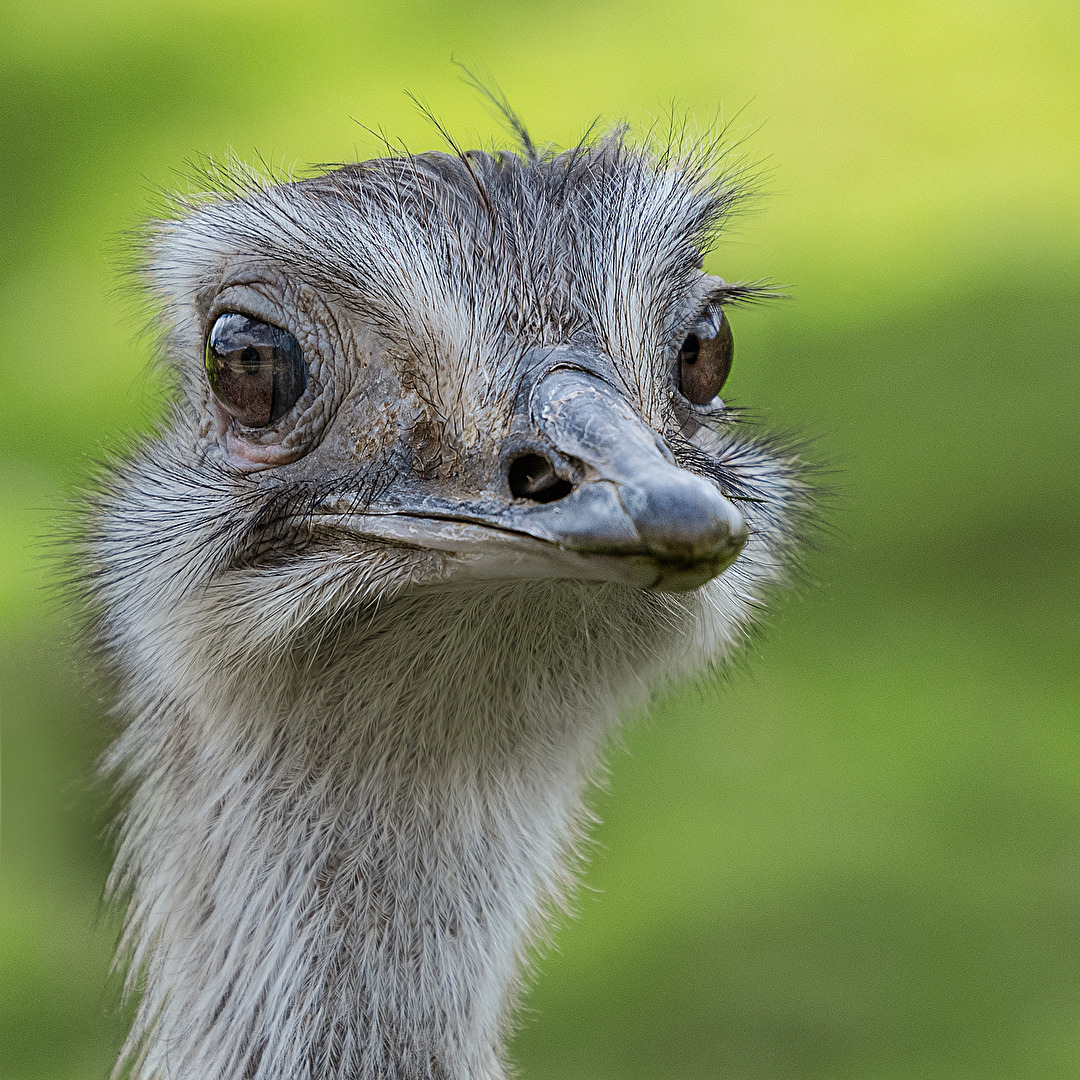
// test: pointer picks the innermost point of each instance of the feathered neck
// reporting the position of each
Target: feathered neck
(338, 856)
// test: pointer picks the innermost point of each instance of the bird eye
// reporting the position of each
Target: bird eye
(705, 360)
(255, 370)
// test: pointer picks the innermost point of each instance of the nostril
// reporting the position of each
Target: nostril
(533, 477)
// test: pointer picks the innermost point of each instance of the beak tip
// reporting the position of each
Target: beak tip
(688, 520)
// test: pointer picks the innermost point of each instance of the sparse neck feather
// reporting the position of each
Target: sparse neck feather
(337, 863)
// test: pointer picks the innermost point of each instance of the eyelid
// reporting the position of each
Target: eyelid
(705, 323)
(712, 317)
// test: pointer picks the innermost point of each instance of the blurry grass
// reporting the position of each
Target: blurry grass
(59, 1003)
(854, 860)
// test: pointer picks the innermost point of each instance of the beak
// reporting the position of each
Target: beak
(609, 503)
(632, 503)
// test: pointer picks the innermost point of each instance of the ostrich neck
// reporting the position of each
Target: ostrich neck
(337, 870)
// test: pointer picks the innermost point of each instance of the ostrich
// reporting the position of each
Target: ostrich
(446, 487)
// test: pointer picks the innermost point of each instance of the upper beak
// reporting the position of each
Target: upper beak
(620, 508)
(632, 501)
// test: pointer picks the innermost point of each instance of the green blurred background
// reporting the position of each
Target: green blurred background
(856, 859)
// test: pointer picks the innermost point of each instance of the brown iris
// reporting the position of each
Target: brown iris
(256, 370)
(705, 360)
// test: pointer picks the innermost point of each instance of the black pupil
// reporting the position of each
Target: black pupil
(250, 360)
(688, 354)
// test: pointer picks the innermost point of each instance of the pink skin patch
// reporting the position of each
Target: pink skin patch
(245, 455)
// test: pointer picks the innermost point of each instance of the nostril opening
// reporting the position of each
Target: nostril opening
(533, 477)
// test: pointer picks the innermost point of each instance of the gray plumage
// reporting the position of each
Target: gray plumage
(368, 678)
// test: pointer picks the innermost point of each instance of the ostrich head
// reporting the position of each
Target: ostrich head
(446, 486)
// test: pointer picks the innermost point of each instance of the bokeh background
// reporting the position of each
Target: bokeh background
(856, 856)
